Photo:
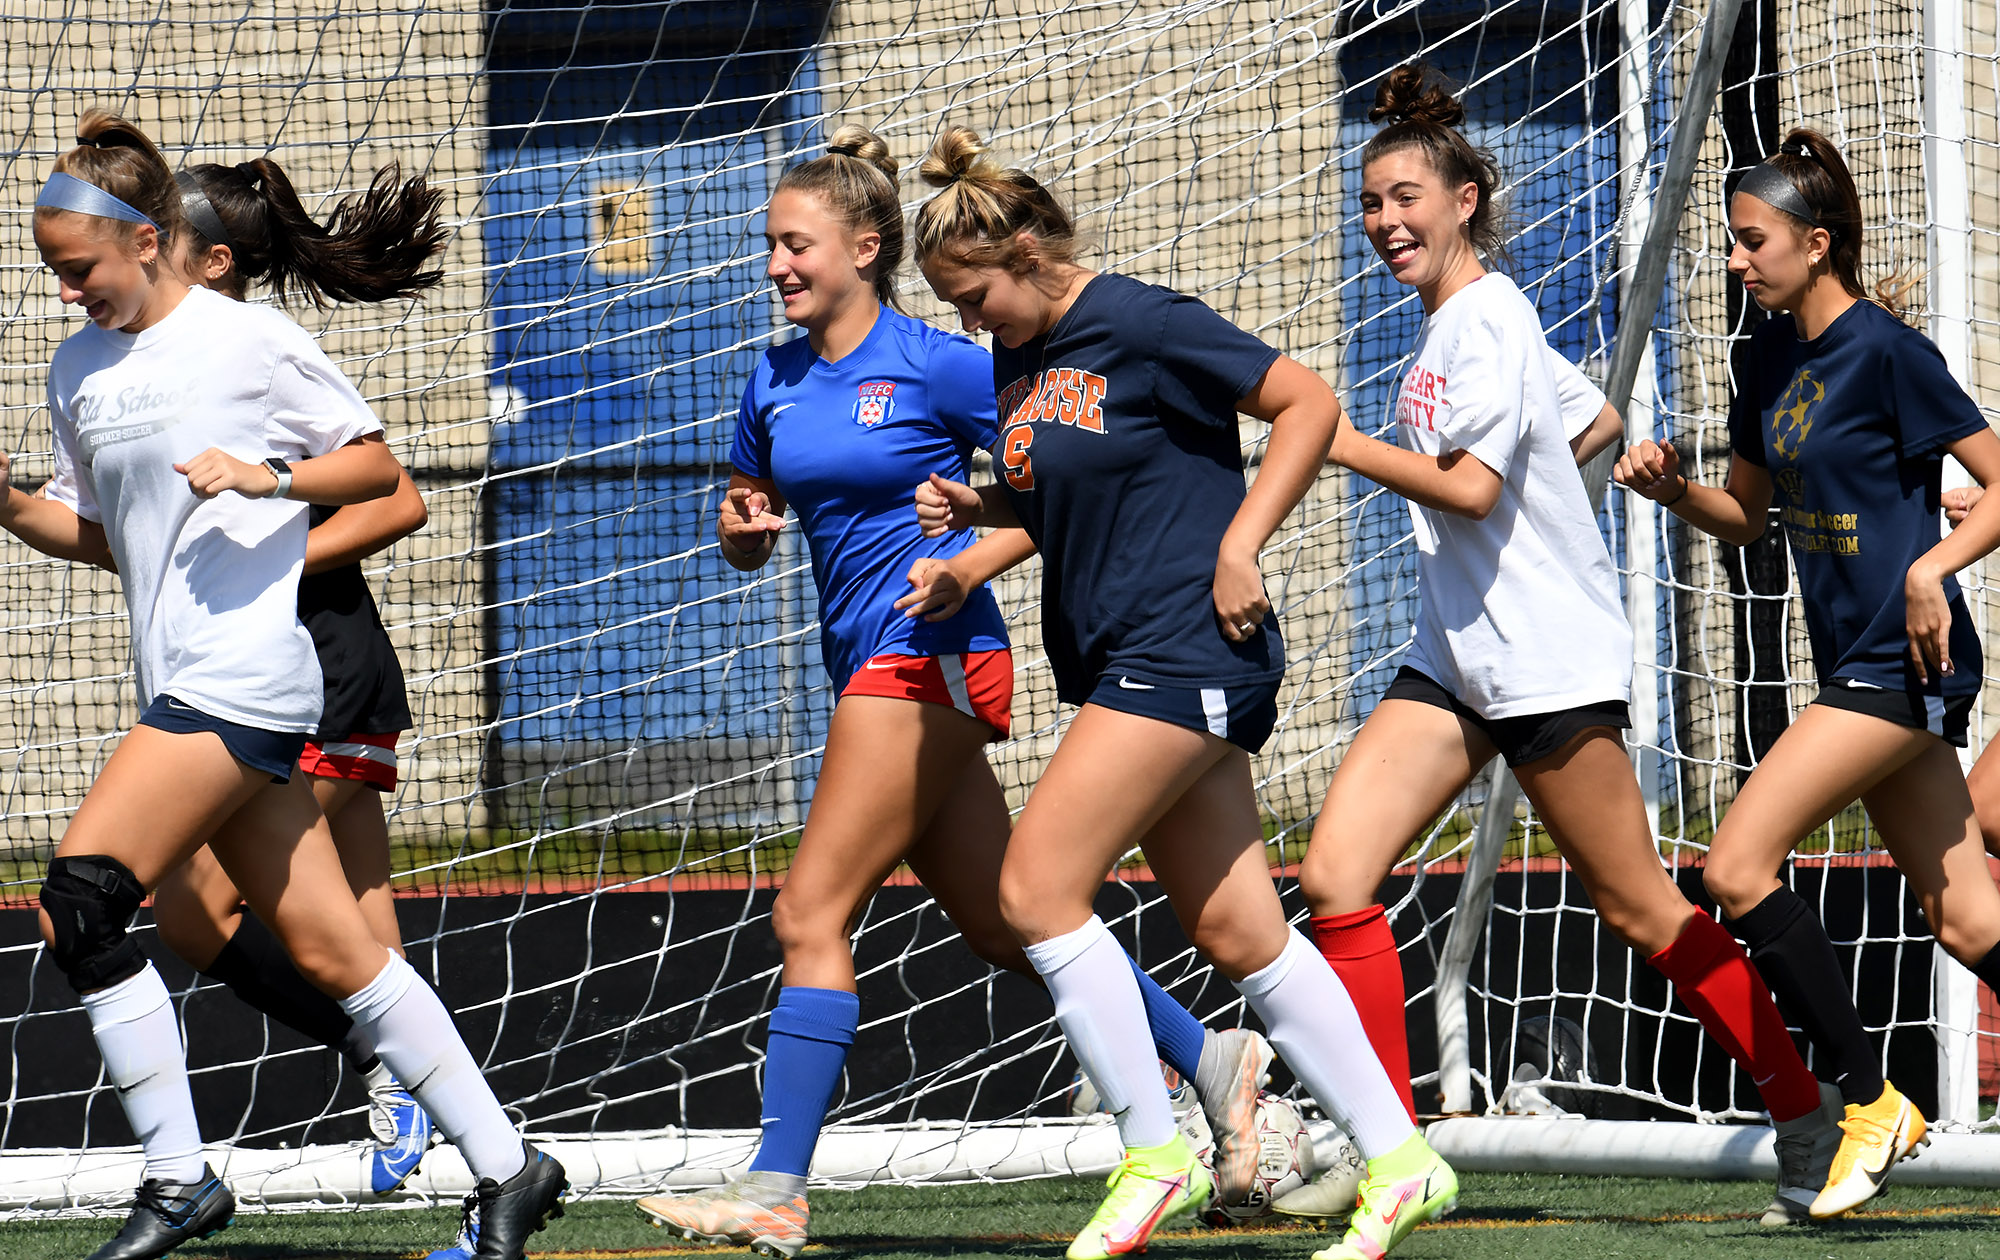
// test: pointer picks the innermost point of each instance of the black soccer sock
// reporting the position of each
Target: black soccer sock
(257, 969)
(1791, 950)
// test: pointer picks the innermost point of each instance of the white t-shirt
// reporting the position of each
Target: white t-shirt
(212, 586)
(1519, 612)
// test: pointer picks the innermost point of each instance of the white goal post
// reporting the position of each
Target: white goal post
(616, 735)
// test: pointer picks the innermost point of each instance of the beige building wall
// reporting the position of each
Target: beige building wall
(1196, 152)
(331, 92)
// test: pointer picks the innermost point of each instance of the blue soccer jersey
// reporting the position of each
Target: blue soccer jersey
(1120, 453)
(1852, 427)
(847, 444)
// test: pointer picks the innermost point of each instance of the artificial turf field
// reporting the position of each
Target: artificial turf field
(1544, 1217)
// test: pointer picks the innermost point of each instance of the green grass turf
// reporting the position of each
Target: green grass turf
(1544, 1217)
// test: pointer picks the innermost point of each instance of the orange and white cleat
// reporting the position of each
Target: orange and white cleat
(1872, 1139)
(763, 1211)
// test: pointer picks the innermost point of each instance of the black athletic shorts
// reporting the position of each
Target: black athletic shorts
(1946, 717)
(1244, 714)
(1521, 740)
(273, 752)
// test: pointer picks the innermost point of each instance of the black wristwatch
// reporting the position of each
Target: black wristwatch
(283, 472)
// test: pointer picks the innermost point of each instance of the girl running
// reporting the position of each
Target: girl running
(1120, 457)
(838, 425)
(245, 223)
(1844, 419)
(178, 415)
(1521, 646)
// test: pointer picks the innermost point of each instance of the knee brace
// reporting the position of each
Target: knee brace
(91, 901)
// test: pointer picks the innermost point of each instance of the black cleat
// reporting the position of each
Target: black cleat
(169, 1214)
(510, 1210)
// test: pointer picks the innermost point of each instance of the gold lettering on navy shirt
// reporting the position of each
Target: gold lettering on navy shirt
(1059, 395)
(1836, 533)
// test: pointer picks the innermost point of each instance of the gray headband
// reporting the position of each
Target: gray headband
(1769, 185)
(67, 192)
(200, 211)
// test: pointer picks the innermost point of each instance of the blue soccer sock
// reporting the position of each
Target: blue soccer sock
(811, 1030)
(1177, 1035)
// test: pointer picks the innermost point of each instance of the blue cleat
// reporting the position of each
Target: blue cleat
(402, 1134)
(467, 1243)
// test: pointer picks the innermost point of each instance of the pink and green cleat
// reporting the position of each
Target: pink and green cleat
(1408, 1186)
(1152, 1187)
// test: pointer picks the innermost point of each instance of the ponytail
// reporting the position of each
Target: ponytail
(376, 246)
(1813, 166)
(115, 156)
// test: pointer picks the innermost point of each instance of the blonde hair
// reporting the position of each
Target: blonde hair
(981, 209)
(855, 179)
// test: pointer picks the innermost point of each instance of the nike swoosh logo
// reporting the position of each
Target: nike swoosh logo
(781, 407)
(1761, 1082)
(881, 665)
(1396, 1209)
(1172, 1186)
(1129, 685)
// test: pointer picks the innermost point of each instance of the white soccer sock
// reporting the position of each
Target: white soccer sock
(140, 1040)
(1104, 1018)
(415, 1038)
(1313, 1024)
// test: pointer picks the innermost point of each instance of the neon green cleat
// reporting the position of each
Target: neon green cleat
(1408, 1186)
(1153, 1186)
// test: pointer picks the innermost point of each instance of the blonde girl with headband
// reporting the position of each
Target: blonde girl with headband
(837, 425)
(1521, 648)
(190, 433)
(1119, 454)
(245, 223)
(1842, 421)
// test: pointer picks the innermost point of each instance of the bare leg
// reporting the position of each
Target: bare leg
(361, 835)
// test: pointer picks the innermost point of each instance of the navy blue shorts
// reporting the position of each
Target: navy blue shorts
(1946, 717)
(273, 752)
(1244, 714)
(1521, 740)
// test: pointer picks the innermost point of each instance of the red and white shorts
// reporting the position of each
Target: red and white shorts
(977, 684)
(369, 759)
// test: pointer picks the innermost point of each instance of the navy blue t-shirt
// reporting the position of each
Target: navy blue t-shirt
(1852, 426)
(1120, 453)
(848, 444)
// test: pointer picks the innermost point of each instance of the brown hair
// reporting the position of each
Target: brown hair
(1421, 112)
(117, 157)
(375, 246)
(855, 179)
(1813, 166)
(982, 208)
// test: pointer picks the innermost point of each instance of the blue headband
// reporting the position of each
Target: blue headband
(67, 192)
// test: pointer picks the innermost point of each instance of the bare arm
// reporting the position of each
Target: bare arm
(1453, 482)
(945, 506)
(940, 587)
(359, 530)
(357, 472)
(1975, 536)
(1735, 513)
(52, 528)
(1603, 433)
(1304, 415)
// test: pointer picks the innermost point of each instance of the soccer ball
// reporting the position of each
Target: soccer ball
(1284, 1162)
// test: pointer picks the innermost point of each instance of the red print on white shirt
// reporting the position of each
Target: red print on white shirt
(1417, 406)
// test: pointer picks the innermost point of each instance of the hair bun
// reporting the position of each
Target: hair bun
(855, 141)
(958, 154)
(1415, 93)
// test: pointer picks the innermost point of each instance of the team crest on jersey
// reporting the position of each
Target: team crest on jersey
(875, 403)
(1791, 422)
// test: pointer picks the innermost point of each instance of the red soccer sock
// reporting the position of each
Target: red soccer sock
(1362, 951)
(1714, 977)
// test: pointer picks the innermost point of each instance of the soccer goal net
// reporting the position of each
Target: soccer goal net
(616, 735)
